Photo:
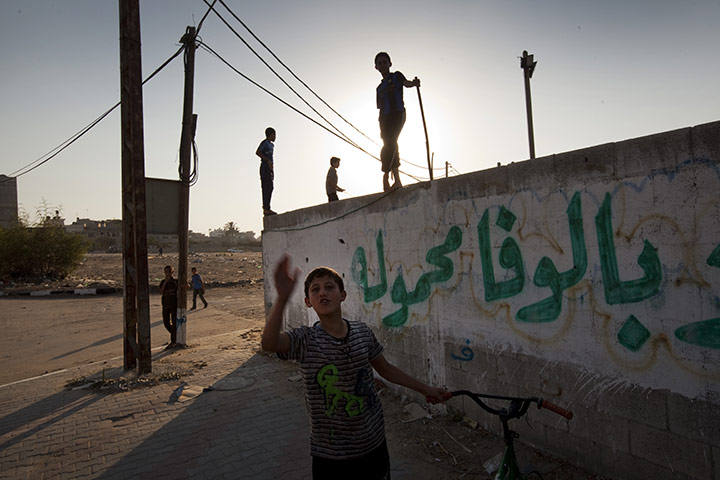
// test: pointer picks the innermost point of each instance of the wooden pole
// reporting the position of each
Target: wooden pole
(136, 303)
(186, 140)
(427, 141)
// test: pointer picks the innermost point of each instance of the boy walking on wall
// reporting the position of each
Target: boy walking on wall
(331, 181)
(392, 116)
(337, 358)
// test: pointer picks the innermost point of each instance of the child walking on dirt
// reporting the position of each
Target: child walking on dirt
(337, 358)
(169, 293)
(198, 286)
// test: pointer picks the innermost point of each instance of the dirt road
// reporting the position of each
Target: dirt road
(46, 334)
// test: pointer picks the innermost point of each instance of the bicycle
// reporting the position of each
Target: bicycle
(518, 407)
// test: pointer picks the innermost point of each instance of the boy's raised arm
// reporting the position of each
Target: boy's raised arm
(394, 374)
(273, 339)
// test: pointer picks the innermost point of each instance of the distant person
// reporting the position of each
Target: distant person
(392, 116)
(160, 251)
(331, 181)
(169, 293)
(198, 286)
(337, 358)
(267, 168)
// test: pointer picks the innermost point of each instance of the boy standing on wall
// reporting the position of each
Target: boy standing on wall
(331, 181)
(337, 358)
(267, 168)
(392, 116)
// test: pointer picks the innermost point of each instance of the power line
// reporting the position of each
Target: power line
(209, 49)
(291, 72)
(302, 82)
(57, 150)
(276, 74)
(347, 139)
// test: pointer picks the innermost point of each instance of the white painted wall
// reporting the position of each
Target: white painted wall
(633, 303)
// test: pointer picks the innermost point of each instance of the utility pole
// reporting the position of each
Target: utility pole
(528, 66)
(186, 139)
(136, 304)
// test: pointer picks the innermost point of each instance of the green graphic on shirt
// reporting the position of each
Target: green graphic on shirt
(327, 377)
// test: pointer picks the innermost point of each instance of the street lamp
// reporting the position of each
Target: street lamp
(528, 66)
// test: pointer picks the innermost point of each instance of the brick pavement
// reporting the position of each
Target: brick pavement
(252, 425)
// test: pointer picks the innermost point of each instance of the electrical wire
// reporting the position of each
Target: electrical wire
(57, 150)
(291, 72)
(346, 138)
(209, 49)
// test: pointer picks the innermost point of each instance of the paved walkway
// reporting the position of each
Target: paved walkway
(251, 425)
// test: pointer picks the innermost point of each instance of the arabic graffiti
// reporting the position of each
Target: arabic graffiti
(632, 290)
(467, 353)
(546, 275)
(399, 294)
(510, 259)
(503, 273)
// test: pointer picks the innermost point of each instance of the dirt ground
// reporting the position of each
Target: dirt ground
(54, 332)
(100, 270)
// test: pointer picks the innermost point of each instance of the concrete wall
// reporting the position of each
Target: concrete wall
(590, 278)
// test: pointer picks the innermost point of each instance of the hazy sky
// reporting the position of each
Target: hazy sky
(607, 71)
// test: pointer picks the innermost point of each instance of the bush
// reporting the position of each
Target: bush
(40, 252)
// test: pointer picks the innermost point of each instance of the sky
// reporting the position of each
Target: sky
(607, 71)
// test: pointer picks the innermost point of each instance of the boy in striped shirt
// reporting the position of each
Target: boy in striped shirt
(337, 358)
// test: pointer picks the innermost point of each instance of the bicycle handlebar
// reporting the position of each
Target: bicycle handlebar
(518, 405)
(554, 408)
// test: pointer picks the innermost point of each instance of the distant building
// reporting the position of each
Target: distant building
(96, 228)
(8, 201)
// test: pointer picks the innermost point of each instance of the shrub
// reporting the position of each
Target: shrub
(43, 251)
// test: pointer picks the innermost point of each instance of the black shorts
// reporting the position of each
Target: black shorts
(374, 465)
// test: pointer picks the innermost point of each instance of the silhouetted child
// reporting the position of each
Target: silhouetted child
(267, 168)
(331, 181)
(169, 293)
(198, 286)
(392, 116)
(337, 358)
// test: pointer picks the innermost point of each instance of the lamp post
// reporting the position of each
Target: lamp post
(528, 66)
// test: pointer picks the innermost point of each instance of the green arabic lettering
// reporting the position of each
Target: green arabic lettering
(546, 275)
(705, 333)
(435, 256)
(359, 271)
(630, 291)
(714, 258)
(510, 259)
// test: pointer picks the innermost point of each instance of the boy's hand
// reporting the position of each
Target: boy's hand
(284, 282)
(437, 395)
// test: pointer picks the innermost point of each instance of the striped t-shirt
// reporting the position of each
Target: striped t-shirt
(345, 413)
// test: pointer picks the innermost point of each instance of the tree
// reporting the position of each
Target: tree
(42, 250)
(230, 230)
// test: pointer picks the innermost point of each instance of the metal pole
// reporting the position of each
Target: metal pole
(427, 141)
(528, 66)
(186, 139)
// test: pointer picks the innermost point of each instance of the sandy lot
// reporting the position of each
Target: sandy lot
(50, 333)
(105, 270)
